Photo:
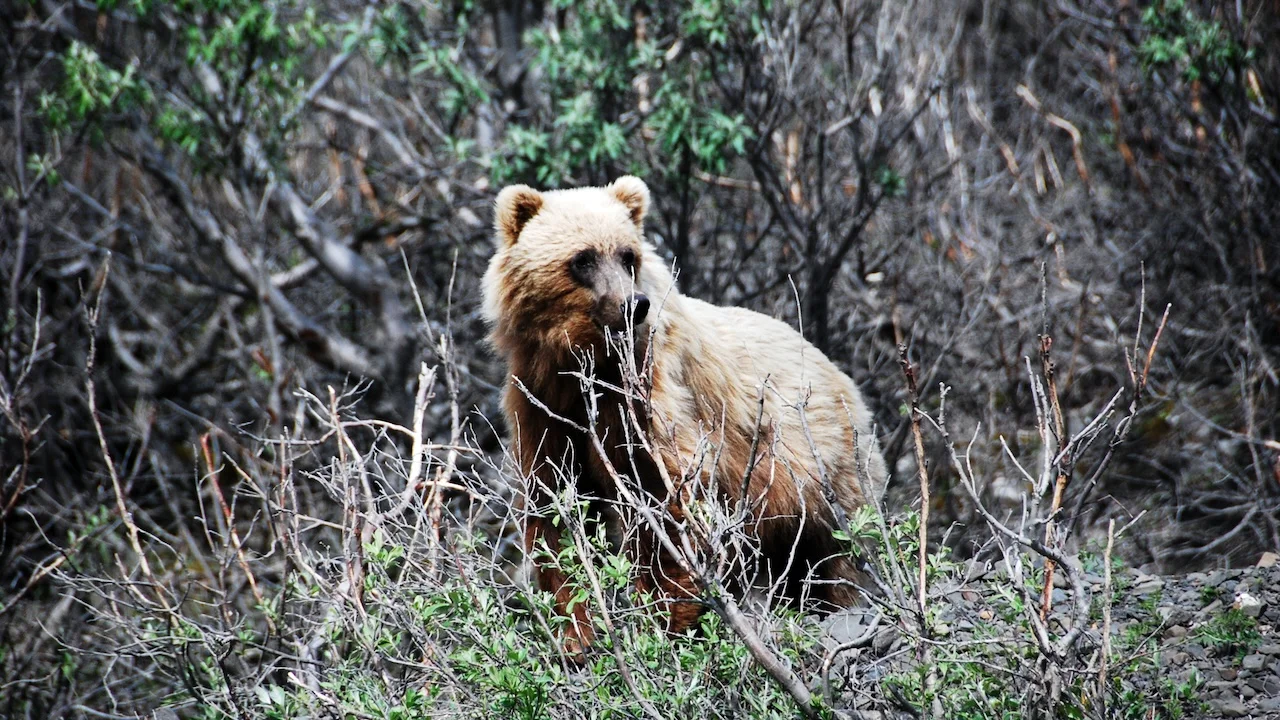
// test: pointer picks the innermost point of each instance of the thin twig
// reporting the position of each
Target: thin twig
(1106, 621)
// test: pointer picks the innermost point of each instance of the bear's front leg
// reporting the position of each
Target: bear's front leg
(675, 590)
(541, 534)
(544, 454)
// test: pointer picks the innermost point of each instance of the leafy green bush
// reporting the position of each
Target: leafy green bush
(594, 68)
(1179, 38)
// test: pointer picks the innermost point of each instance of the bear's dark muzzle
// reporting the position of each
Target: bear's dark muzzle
(639, 308)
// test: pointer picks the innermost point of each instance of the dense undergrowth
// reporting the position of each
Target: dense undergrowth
(214, 211)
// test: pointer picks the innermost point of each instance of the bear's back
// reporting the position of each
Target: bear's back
(738, 349)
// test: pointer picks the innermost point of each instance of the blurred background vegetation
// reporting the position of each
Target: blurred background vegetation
(259, 196)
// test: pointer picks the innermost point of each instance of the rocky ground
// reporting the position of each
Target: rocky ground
(1222, 627)
(1199, 645)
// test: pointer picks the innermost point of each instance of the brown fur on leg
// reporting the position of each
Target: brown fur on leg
(537, 447)
(683, 606)
(579, 633)
(675, 591)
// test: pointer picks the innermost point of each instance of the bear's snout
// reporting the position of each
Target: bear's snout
(639, 308)
(618, 314)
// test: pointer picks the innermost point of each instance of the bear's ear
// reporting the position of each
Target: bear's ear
(632, 192)
(515, 207)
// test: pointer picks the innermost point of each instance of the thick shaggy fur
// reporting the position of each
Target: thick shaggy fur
(709, 367)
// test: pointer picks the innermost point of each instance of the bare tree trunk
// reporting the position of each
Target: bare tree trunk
(510, 19)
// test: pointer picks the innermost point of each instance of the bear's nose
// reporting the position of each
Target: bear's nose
(639, 309)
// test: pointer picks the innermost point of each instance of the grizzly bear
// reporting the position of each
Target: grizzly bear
(732, 401)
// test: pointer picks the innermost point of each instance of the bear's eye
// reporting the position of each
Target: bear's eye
(581, 264)
(628, 258)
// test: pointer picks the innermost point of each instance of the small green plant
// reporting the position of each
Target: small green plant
(1231, 632)
(1167, 699)
(1181, 699)
(1144, 629)
(891, 183)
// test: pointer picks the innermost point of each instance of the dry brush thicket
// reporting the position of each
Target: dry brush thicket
(248, 419)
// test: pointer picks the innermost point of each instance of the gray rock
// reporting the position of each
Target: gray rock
(1176, 631)
(848, 625)
(1253, 662)
(1219, 688)
(1174, 615)
(1247, 693)
(1271, 611)
(1194, 651)
(1269, 685)
(885, 640)
(1212, 608)
(1269, 705)
(1270, 649)
(1148, 585)
(1228, 707)
(1227, 673)
(1248, 604)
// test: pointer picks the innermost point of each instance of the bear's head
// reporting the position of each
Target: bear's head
(571, 268)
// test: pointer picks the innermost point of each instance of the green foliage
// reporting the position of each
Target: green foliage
(616, 102)
(683, 126)
(390, 38)
(513, 670)
(525, 154)
(586, 66)
(1166, 699)
(1141, 637)
(1136, 653)
(255, 50)
(1231, 632)
(464, 89)
(983, 676)
(481, 647)
(1178, 37)
(183, 128)
(256, 46)
(90, 89)
(968, 682)
(891, 183)
(1181, 699)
